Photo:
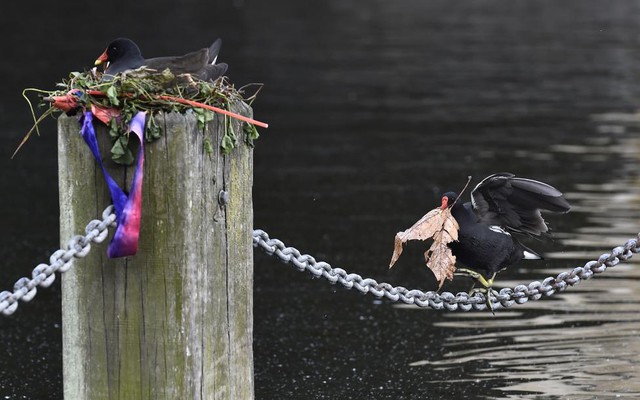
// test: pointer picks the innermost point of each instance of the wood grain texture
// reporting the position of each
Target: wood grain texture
(174, 321)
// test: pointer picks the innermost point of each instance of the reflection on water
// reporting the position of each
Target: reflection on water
(584, 342)
(552, 353)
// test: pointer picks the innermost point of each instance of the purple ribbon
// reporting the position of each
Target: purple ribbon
(128, 207)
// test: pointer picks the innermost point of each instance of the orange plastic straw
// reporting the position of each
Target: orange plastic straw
(197, 104)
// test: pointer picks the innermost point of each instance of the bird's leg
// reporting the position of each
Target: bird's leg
(487, 284)
(477, 276)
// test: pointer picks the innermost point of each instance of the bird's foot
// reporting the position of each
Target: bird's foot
(487, 292)
(487, 285)
(477, 276)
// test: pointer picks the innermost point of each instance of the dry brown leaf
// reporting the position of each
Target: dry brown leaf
(440, 225)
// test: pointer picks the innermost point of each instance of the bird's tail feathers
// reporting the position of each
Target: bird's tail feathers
(530, 254)
(214, 49)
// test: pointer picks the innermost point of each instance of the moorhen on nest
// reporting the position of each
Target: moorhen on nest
(123, 54)
(501, 205)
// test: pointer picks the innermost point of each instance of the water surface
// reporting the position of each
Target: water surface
(375, 109)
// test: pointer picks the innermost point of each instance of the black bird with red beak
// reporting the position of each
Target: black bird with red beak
(501, 207)
(123, 54)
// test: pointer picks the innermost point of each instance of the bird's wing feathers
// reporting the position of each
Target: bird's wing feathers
(200, 63)
(187, 63)
(515, 203)
(212, 72)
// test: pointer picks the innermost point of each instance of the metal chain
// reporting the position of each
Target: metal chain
(43, 275)
(446, 300)
(97, 231)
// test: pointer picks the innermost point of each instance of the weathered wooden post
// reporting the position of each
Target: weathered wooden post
(174, 321)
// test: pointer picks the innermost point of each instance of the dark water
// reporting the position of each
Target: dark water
(375, 109)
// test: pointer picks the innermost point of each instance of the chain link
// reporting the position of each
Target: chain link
(43, 275)
(96, 231)
(462, 301)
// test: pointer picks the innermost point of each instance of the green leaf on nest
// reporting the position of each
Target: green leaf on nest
(152, 131)
(203, 116)
(120, 152)
(208, 147)
(112, 94)
(251, 133)
(228, 143)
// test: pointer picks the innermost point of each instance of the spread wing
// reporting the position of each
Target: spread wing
(515, 203)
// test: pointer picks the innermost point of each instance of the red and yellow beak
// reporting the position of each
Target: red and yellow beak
(103, 58)
(445, 203)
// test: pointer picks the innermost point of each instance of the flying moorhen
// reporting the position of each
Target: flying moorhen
(123, 54)
(500, 205)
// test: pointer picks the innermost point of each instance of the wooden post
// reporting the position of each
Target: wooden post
(174, 321)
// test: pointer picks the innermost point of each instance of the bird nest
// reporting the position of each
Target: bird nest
(116, 101)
